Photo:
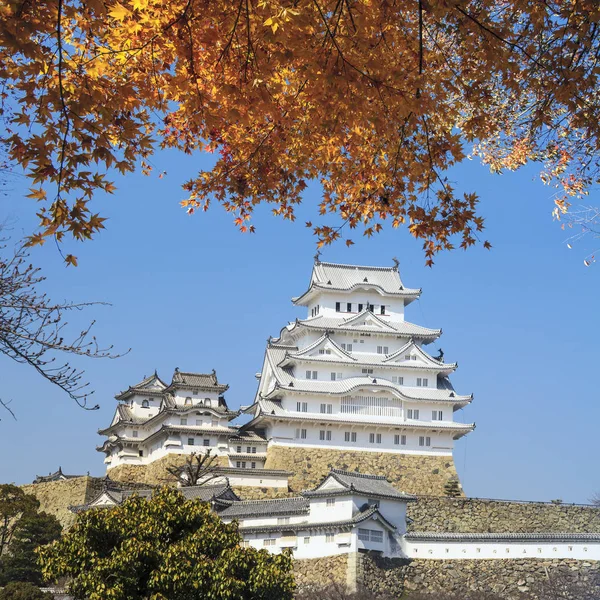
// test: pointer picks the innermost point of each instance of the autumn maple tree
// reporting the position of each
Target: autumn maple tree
(374, 99)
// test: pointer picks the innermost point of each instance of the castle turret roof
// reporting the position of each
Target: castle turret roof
(347, 278)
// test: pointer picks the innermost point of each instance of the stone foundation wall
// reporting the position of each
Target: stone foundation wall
(409, 473)
(506, 579)
(380, 575)
(55, 497)
(467, 515)
(261, 493)
(321, 571)
(155, 473)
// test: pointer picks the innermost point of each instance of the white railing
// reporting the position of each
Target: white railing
(371, 405)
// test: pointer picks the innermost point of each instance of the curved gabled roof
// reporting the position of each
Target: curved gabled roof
(347, 278)
(373, 324)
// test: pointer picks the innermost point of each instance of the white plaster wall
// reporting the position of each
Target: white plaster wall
(284, 434)
(445, 550)
(326, 301)
(317, 547)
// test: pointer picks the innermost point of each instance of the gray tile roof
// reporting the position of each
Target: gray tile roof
(418, 536)
(204, 493)
(266, 508)
(331, 276)
(346, 525)
(399, 328)
(375, 486)
(204, 381)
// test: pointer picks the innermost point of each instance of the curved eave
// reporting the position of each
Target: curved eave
(427, 336)
(459, 429)
(315, 288)
(366, 382)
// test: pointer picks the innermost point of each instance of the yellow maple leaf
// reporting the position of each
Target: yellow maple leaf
(119, 12)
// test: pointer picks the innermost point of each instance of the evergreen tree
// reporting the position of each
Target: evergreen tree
(20, 563)
(164, 547)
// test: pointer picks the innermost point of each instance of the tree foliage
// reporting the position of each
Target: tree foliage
(23, 591)
(19, 563)
(33, 328)
(374, 99)
(163, 548)
(22, 530)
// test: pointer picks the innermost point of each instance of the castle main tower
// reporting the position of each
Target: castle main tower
(352, 386)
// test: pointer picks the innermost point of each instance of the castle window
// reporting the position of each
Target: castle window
(145, 404)
(377, 536)
(190, 441)
(337, 307)
(329, 538)
(349, 307)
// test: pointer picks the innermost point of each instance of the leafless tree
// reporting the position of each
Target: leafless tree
(199, 469)
(34, 330)
(585, 222)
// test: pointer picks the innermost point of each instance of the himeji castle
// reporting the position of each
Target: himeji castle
(349, 386)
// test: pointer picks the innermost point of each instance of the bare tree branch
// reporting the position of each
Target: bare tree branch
(198, 469)
(33, 329)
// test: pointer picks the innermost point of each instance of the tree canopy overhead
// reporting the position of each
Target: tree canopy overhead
(375, 99)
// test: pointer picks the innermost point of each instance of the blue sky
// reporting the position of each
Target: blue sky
(191, 292)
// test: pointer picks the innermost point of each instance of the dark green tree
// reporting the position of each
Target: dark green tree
(165, 548)
(23, 591)
(20, 562)
(14, 505)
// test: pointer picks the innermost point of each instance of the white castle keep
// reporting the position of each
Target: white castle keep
(352, 375)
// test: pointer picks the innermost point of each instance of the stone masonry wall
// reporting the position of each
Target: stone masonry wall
(55, 497)
(409, 473)
(507, 579)
(320, 571)
(469, 515)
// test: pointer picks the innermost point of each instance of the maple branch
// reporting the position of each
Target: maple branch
(61, 91)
